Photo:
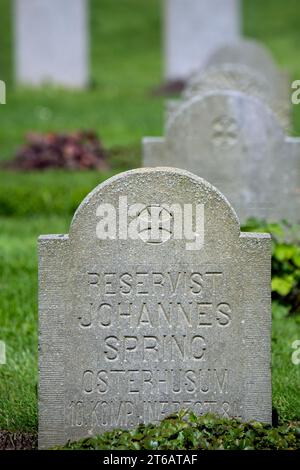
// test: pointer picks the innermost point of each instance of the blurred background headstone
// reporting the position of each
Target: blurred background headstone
(2, 92)
(51, 42)
(193, 29)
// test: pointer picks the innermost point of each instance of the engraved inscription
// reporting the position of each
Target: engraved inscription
(152, 343)
(151, 381)
(88, 413)
(155, 224)
(225, 131)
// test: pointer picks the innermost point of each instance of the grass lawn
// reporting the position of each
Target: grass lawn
(126, 66)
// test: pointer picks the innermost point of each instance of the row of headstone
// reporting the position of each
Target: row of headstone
(245, 66)
(230, 128)
(51, 38)
(156, 301)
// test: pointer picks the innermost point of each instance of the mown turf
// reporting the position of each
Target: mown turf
(18, 314)
(52, 192)
(285, 374)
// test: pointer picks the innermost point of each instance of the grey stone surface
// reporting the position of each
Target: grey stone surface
(234, 141)
(238, 78)
(193, 29)
(250, 53)
(51, 42)
(131, 331)
(244, 65)
(2, 92)
(256, 56)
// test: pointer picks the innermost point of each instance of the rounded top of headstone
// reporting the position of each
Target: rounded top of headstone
(240, 77)
(227, 136)
(247, 52)
(156, 187)
(224, 113)
(227, 77)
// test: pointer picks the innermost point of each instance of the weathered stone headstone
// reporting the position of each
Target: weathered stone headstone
(237, 78)
(194, 29)
(2, 353)
(170, 311)
(235, 141)
(51, 42)
(247, 66)
(250, 53)
(2, 92)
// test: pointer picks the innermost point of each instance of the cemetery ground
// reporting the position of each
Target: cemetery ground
(120, 106)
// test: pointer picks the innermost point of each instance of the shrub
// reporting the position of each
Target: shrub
(285, 263)
(77, 150)
(186, 431)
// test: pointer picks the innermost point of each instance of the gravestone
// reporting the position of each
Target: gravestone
(250, 53)
(254, 55)
(51, 42)
(2, 92)
(2, 353)
(234, 141)
(154, 302)
(193, 29)
(237, 78)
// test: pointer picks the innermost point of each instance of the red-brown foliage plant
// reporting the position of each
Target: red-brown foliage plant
(75, 151)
